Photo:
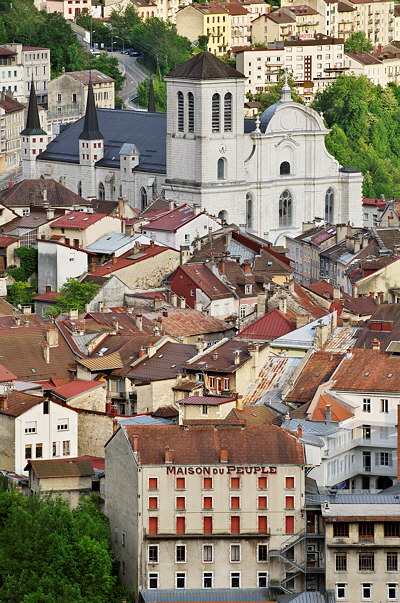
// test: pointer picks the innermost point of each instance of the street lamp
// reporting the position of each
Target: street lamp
(123, 43)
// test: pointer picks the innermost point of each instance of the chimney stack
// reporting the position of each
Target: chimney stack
(299, 431)
(247, 267)
(261, 304)
(142, 352)
(73, 314)
(182, 302)
(328, 413)
(376, 344)
(46, 354)
(336, 292)
(121, 205)
(171, 205)
(239, 402)
(139, 322)
(236, 356)
(174, 299)
(115, 323)
(223, 454)
(168, 455)
(115, 425)
(215, 355)
(52, 336)
(135, 439)
(283, 305)
(17, 321)
(3, 402)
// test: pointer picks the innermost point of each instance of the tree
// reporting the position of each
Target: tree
(101, 34)
(74, 295)
(109, 66)
(356, 42)
(19, 294)
(122, 21)
(160, 94)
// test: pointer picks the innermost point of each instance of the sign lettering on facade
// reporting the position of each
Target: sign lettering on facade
(228, 470)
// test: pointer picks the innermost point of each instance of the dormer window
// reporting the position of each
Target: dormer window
(247, 289)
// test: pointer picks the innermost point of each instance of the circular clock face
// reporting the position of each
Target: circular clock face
(222, 149)
(288, 120)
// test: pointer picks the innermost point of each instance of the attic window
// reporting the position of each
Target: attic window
(103, 350)
(84, 219)
(71, 218)
(33, 370)
(160, 355)
(269, 263)
(390, 375)
(366, 374)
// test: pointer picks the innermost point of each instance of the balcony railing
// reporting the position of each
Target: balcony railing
(200, 534)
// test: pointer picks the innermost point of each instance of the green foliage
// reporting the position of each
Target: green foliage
(365, 122)
(74, 296)
(160, 94)
(52, 554)
(101, 34)
(20, 293)
(273, 94)
(109, 66)
(202, 42)
(122, 21)
(356, 42)
(28, 260)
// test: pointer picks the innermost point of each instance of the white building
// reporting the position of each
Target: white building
(57, 263)
(35, 62)
(269, 177)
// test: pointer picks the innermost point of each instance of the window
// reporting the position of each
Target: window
(366, 429)
(153, 525)
(249, 210)
(153, 502)
(235, 524)
(66, 448)
(59, 98)
(207, 553)
(180, 502)
(180, 580)
(289, 524)
(284, 168)
(30, 427)
(207, 525)
(384, 405)
(152, 553)
(215, 113)
(341, 591)
(262, 524)
(190, 112)
(62, 424)
(228, 112)
(123, 538)
(235, 483)
(392, 562)
(235, 502)
(262, 579)
(180, 483)
(28, 451)
(391, 529)
(207, 483)
(152, 580)
(383, 458)
(262, 553)
(74, 98)
(392, 591)
(329, 205)
(181, 112)
(289, 502)
(45, 407)
(262, 483)
(180, 553)
(39, 451)
(207, 579)
(221, 168)
(56, 449)
(204, 409)
(341, 562)
(366, 405)
(153, 483)
(285, 209)
(234, 553)
(207, 502)
(366, 562)
(235, 579)
(102, 192)
(366, 591)
(340, 530)
(143, 198)
(180, 525)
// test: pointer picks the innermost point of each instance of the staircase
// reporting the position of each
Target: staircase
(281, 554)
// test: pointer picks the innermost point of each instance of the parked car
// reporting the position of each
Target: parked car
(134, 53)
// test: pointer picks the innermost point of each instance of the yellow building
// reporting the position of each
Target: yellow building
(211, 20)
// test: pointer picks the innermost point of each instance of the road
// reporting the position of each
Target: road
(134, 74)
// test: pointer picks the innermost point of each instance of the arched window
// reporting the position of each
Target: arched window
(284, 168)
(329, 205)
(143, 198)
(102, 191)
(190, 112)
(228, 112)
(223, 216)
(249, 210)
(285, 208)
(80, 188)
(181, 112)
(221, 168)
(216, 113)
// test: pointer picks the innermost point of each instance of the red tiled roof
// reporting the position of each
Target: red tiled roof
(172, 220)
(368, 371)
(205, 400)
(318, 369)
(261, 444)
(4, 52)
(10, 105)
(363, 306)
(130, 258)
(307, 303)
(79, 220)
(270, 326)
(373, 202)
(19, 402)
(81, 466)
(6, 241)
(51, 296)
(338, 412)
(206, 280)
(6, 375)
(74, 388)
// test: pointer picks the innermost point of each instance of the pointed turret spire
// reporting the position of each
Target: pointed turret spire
(286, 92)
(151, 104)
(32, 121)
(91, 126)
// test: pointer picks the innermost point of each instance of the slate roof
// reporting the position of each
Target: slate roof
(83, 466)
(205, 66)
(257, 444)
(368, 371)
(214, 595)
(75, 388)
(319, 369)
(30, 192)
(7, 241)
(384, 313)
(166, 363)
(268, 327)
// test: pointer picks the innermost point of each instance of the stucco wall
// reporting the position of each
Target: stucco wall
(7, 443)
(93, 432)
(150, 272)
(94, 399)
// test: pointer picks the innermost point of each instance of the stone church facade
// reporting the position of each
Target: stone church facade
(268, 175)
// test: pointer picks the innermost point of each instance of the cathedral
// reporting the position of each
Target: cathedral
(267, 175)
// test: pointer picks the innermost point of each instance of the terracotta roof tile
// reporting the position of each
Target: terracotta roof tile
(205, 280)
(221, 358)
(79, 220)
(319, 369)
(75, 388)
(82, 466)
(6, 375)
(338, 412)
(10, 105)
(166, 363)
(19, 402)
(368, 371)
(130, 258)
(30, 192)
(172, 220)
(266, 444)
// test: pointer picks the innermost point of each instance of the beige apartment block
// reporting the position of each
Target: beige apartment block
(301, 22)
(205, 508)
(376, 19)
(11, 124)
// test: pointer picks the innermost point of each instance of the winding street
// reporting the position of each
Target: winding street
(134, 74)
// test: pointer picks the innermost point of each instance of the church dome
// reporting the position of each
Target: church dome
(267, 115)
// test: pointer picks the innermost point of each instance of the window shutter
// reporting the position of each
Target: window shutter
(377, 458)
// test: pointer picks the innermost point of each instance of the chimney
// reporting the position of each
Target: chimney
(46, 354)
(350, 243)
(26, 309)
(115, 425)
(376, 344)
(92, 267)
(102, 306)
(184, 254)
(3, 402)
(198, 306)
(174, 299)
(115, 323)
(261, 304)
(299, 431)
(182, 302)
(114, 259)
(301, 321)
(165, 313)
(198, 243)
(171, 205)
(246, 267)
(283, 305)
(151, 243)
(50, 213)
(73, 314)
(215, 355)
(239, 402)
(348, 354)
(336, 292)
(139, 322)
(200, 345)
(168, 455)
(52, 336)
(236, 356)
(17, 321)
(197, 209)
(254, 355)
(222, 266)
(150, 349)
(321, 335)
(328, 413)
(121, 206)
(157, 328)
(158, 303)
(223, 454)
(341, 232)
(135, 442)
(228, 236)
(129, 310)
(210, 237)
(142, 351)
(45, 194)
(10, 183)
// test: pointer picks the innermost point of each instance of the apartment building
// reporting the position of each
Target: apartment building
(35, 64)
(376, 19)
(69, 9)
(206, 508)
(11, 125)
(286, 23)
(11, 73)
(210, 20)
